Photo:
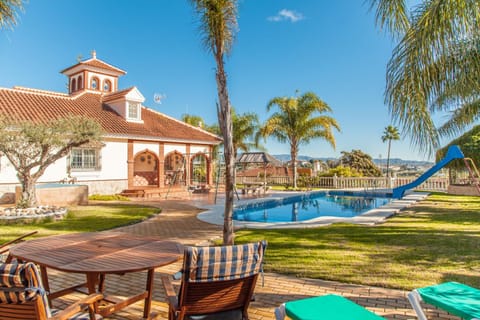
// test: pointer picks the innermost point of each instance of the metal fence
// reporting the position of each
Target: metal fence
(431, 184)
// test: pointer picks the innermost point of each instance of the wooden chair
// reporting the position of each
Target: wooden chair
(23, 298)
(5, 247)
(217, 282)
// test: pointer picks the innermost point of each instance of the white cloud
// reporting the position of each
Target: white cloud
(286, 15)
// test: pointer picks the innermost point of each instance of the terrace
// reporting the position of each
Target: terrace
(178, 222)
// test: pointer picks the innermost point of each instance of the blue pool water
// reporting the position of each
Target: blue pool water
(309, 206)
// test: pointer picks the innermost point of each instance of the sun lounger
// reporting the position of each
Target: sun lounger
(456, 298)
(331, 307)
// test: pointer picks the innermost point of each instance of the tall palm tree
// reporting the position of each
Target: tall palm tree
(435, 66)
(390, 133)
(298, 121)
(218, 27)
(8, 12)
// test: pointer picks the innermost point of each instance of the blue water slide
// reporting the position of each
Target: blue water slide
(453, 153)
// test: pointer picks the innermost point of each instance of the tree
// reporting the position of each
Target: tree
(298, 121)
(193, 120)
(32, 147)
(8, 12)
(360, 162)
(390, 133)
(245, 126)
(435, 66)
(218, 26)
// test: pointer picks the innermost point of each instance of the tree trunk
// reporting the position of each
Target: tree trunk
(225, 122)
(29, 197)
(388, 156)
(293, 155)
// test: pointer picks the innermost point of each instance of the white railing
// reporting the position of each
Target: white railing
(431, 184)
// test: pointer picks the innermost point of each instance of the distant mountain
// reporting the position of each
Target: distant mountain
(393, 161)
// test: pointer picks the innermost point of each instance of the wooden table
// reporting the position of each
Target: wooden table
(97, 254)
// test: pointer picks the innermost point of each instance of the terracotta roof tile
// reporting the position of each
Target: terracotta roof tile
(36, 105)
(96, 63)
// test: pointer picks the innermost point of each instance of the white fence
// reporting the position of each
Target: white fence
(431, 184)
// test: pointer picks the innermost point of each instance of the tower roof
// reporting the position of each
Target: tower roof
(94, 64)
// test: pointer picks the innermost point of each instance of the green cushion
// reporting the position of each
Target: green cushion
(330, 307)
(456, 298)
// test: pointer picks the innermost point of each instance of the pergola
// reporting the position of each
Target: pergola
(260, 158)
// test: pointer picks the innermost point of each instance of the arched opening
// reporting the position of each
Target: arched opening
(107, 86)
(80, 83)
(199, 170)
(94, 83)
(73, 86)
(145, 169)
(174, 168)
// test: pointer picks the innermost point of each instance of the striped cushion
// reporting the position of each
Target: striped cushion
(206, 264)
(18, 283)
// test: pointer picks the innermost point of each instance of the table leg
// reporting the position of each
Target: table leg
(149, 289)
(92, 279)
(46, 285)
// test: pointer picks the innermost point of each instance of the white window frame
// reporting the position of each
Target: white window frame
(133, 106)
(85, 161)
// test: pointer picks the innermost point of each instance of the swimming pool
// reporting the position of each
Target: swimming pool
(309, 206)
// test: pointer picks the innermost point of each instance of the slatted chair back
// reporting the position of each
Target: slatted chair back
(21, 295)
(217, 279)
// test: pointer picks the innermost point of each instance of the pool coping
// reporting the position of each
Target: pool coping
(214, 213)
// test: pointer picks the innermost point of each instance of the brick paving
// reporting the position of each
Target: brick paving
(178, 222)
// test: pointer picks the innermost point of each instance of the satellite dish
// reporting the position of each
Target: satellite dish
(157, 98)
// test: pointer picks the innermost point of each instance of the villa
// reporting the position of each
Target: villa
(141, 148)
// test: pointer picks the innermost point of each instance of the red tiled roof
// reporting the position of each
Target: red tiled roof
(24, 104)
(96, 63)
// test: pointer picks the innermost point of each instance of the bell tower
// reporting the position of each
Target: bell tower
(93, 75)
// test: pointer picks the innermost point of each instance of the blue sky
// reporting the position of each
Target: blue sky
(329, 47)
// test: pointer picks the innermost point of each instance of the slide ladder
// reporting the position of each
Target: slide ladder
(453, 153)
(473, 171)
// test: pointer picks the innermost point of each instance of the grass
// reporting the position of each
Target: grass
(435, 241)
(89, 218)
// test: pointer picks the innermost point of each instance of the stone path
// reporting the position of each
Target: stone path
(178, 222)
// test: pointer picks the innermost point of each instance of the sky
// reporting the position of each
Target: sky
(331, 48)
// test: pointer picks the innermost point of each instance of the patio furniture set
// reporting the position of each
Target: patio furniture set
(216, 282)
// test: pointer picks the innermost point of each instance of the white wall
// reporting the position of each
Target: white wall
(144, 146)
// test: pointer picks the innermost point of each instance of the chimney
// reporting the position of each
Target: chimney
(94, 54)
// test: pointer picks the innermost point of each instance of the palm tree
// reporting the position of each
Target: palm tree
(435, 67)
(390, 133)
(193, 120)
(8, 12)
(245, 126)
(298, 121)
(219, 26)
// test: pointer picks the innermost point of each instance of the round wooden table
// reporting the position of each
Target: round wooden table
(97, 254)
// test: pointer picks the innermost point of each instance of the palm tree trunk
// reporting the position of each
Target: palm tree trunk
(225, 122)
(293, 156)
(388, 156)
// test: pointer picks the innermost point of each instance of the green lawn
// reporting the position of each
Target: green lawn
(95, 217)
(437, 240)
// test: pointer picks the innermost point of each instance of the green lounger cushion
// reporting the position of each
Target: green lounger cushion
(331, 307)
(456, 298)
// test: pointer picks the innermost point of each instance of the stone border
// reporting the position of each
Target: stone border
(13, 213)
(214, 214)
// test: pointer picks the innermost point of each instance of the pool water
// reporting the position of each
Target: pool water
(309, 206)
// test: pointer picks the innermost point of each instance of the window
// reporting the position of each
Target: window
(74, 85)
(133, 110)
(94, 84)
(85, 159)
(107, 86)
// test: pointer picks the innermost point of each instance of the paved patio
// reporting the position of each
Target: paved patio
(178, 222)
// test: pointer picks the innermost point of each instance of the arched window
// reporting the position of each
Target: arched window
(80, 83)
(73, 86)
(94, 84)
(107, 86)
